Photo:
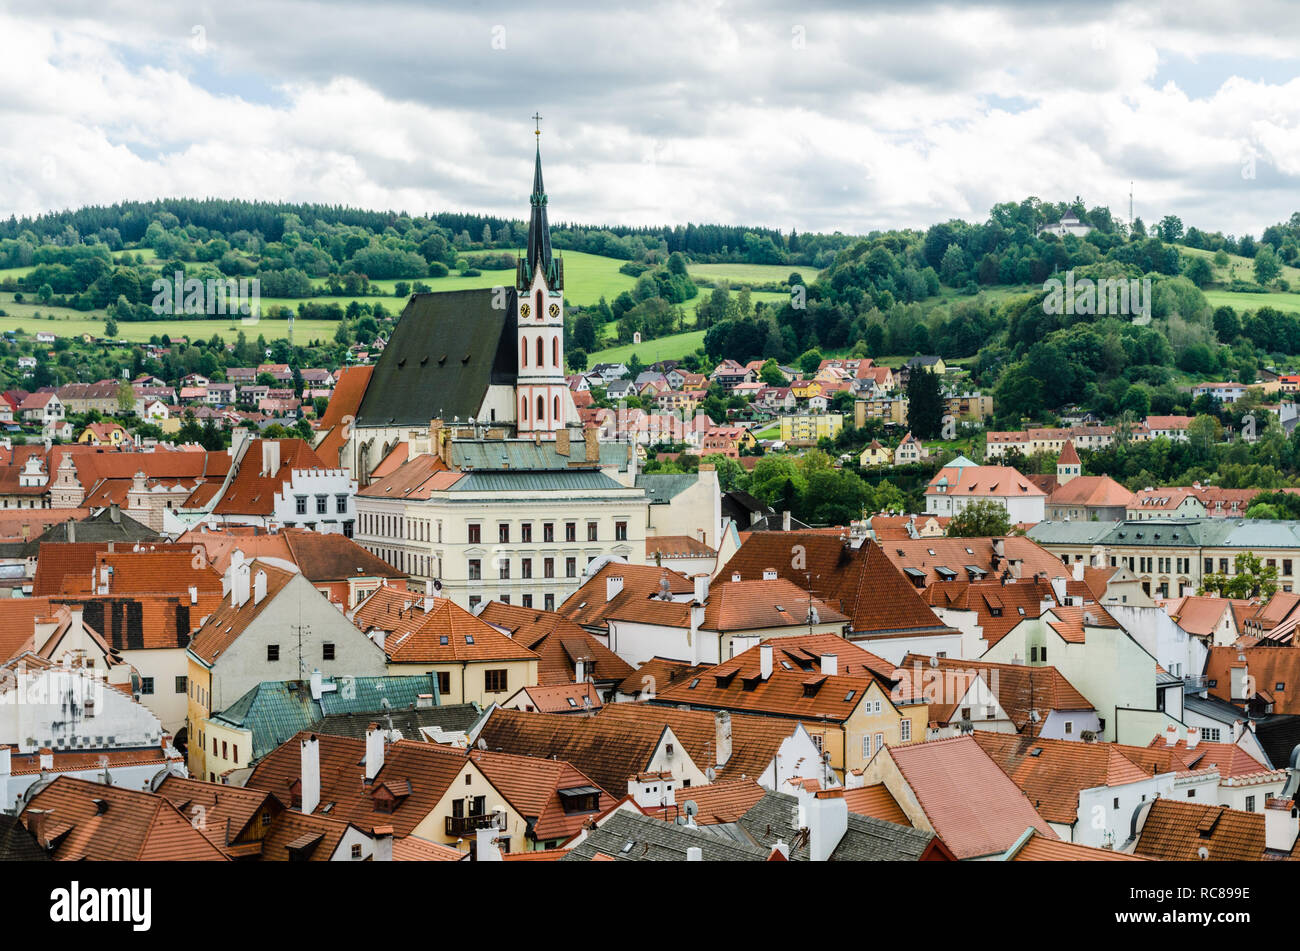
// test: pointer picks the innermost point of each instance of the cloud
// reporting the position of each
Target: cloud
(820, 116)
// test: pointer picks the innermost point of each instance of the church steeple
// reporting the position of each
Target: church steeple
(539, 257)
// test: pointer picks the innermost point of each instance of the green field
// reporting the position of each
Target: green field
(1241, 301)
(740, 274)
(1239, 267)
(672, 347)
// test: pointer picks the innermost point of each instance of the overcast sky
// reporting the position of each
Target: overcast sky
(820, 116)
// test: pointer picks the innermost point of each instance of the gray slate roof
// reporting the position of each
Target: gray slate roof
(629, 837)
(866, 840)
(456, 716)
(446, 350)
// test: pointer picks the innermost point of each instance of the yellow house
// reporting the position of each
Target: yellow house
(891, 409)
(102, 434)
(473, 661)
(808, 428)
(805, 389)
(876, 455)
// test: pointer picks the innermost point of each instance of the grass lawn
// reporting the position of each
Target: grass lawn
(1241, 301)
(1238, 267)
(741, 274)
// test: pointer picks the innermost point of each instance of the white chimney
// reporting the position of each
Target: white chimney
(694, 854)
(1078, 570)
(769, 574)
(613, 585)
(785, 521)
(383, 844)
(374, 751)
(6, 763)
(1193, 736)
(1171, 735)
(1281, 825)
(701, 588)
(1059, 589)
(735, 576)
(765, 660)
(259, 587)
(316, 682)
(830, 664)
(310, 749)
(825, 815)
(722, 736)
(579, 671)
(194, 595)
(485, 846)
(1239, 682)
(270, 457)
(1237, 729)
(47, 758)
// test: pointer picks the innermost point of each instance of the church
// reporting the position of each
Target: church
(491, 360)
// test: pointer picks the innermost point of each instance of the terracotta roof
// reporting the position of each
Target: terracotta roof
(561, 698)
(659, 673)
(251, 491)
(1071, 621)
(1068, 455)
(1019, 688)
(796, 687)
(442, 633)
(924, 556)
(718, 802)
(332, 556)
(1091, 491)
(973, 806)
(226, 812)
(417, 478)
(876, 801)
(88, 821)
(1176, 831)
(293, 836)
(558, 643)
(589, 607)
(1230, 759)
(158, 568)
(411, 848)
(984, 482)
(998, 607)
(862, 583)
(228, 622)
(676, 546)
(1199, 615)
(1053, 772)
(533, 787)
(760, 605)
(1039, 849)
(66, 761)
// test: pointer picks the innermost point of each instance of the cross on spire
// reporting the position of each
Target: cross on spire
(537, 122)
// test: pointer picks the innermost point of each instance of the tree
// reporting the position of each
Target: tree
(577, 359)
(110, 328)
(1171, 228)
(125, 398)
(925, 404)
(982, 519)
(1267, 265)
(770, 373)
(1250, 580)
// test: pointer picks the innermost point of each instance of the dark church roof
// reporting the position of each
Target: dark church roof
(539, 240)
(446, 350)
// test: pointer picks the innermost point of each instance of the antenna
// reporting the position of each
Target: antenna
(711, 774)
(690, 809)
(481, 744)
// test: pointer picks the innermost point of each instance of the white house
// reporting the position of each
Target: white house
(962, 482)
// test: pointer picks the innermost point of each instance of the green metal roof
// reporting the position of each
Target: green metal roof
(1204, 532)
(527, 454)
(664, 486)
(577, 480)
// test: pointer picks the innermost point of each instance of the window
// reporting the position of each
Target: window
(527, 600)
(620, 531)
(1116, 805)
(866, 746)
(817, 741)
(1191, 794)
(526, 532)
(503, 569)
(182, 684)
(570, 531)
(322, 504)
(548, 567)
(1069, 727)
(548, 532)
(300, 504)
(444, 682)
(549, 602)
(503, 533)
(525, 567)
(880, 742)
(475, 533)
(341, 504)
(474, 602)
(1250, 803)
(1286, 567)
(272, 653)
(146, 685)
(356, 851)
(591, 531)
(475, 569)
(904, 731)
(494, 681)
(570, 567)
(327, 652)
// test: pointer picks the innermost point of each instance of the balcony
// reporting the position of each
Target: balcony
(466, 825)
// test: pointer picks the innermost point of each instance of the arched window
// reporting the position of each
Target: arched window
(523, 408)
(523, 346)
(555, 351)
(540, 313)
(541, 353)
(556, 416)
(541, 410)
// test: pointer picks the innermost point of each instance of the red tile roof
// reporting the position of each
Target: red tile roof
(443, 632)
(558, 643)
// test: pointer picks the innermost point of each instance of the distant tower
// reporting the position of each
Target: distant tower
(1067, 464)
(541, 393)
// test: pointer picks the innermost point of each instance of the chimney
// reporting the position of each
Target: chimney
(735, 576)
(722, 736)
(579, 671)
(765, 660)
(316, 684)
(1193, 736)
(1239, 681)
(6, 762)
(701, 588)
(1078, 570)
(270, 457)
(424, 701)
(259, 587)
(47, 758)
(785, 520)
(240, 584)
(825, 815)
(383, 844)
(697, 618)
(72, 530)
(561, 442)
(591, 436)
(374, 751)
(1281, 825)
(1238, 728)
(694, 854)
(310, 749)
(1059, 589)
(769, 574)
(115, 514)
(485, 846)
(194, 594)
(1171, 735)
(435, 439)
(830, 664)
(613, 585)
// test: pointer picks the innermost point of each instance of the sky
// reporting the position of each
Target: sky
(820, 116)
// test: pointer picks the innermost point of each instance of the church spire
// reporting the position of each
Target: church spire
(539, 231)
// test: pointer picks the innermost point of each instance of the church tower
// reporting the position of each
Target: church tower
(1068, 465)
(541, 393)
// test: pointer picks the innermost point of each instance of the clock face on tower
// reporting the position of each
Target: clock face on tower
(524, 310)
(554, 310)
